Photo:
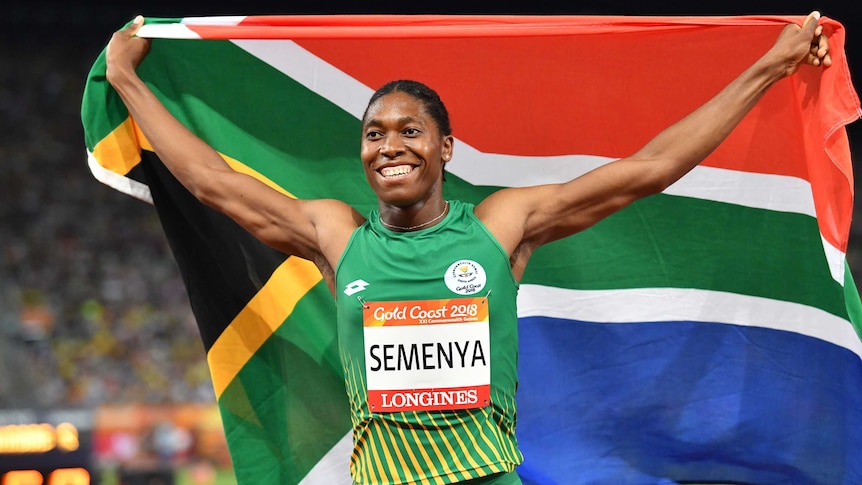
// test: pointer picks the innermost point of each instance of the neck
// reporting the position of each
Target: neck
(404, 220)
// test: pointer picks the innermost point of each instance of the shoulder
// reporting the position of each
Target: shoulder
(332, 212)
(504, 213)
(334, 222)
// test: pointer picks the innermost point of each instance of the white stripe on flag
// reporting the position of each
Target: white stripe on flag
(118, 182)
(680, 304)
(221, 21)
(761, 191)
(835, 258)
(334, 467)
(167, 31)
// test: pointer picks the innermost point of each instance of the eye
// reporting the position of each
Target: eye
(372, 135)
(412, 132)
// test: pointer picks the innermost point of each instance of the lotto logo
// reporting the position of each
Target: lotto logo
(355, 287)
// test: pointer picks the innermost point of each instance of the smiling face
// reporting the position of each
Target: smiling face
(403, 151)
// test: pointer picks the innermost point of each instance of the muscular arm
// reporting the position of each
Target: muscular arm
(314, 230)
(525, 218)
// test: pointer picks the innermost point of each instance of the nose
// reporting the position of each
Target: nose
(392, 146)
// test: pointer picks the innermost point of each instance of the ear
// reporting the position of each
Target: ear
(447, 151)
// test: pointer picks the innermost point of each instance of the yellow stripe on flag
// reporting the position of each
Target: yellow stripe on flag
(263, 314)
(120, 151)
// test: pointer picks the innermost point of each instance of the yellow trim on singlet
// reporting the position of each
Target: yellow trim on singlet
(458, 464)
(447, 472)
(473, 463)
(409, 450)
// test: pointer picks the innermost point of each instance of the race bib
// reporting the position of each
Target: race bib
(427, 354)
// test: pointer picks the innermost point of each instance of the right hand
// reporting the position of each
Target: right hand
(799, 45)
(125, 51)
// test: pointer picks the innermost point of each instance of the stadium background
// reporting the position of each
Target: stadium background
(95, 328)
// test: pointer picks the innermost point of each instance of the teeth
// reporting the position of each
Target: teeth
(396, 171)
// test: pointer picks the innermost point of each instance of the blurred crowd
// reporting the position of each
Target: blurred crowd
(92, 308)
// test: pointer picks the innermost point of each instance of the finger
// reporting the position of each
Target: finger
(819, 53)
(137, 23)
(810, 21)
(823, 46)
(131, 29)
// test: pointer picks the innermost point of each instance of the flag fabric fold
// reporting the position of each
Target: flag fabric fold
(708, 334)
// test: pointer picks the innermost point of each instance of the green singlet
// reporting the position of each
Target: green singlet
(427, 331)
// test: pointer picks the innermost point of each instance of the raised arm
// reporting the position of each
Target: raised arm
(314, 230)
(525, 218)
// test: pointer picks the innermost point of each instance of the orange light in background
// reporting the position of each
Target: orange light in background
(67, 437)
(69, 476)
(22, 477)
(26, 438)
(60, 476)
(38, 438)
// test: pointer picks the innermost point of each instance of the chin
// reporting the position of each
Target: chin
(397, 201)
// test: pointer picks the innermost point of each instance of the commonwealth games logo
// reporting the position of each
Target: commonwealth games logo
(465, 277)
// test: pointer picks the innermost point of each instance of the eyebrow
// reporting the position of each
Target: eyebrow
(401, 121)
